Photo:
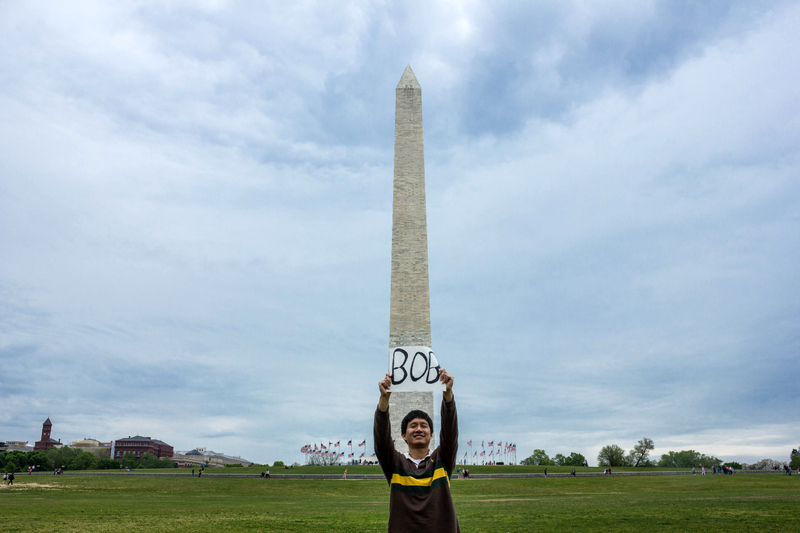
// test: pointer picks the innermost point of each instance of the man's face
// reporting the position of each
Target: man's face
(418, 432)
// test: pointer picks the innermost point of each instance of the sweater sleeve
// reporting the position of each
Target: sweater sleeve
(384, 447)
(448, 436)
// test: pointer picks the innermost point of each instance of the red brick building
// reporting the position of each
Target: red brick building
(46, 442)
(138, 445)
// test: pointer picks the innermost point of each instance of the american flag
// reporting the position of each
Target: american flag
(322, 447)
(350, 442)
(491, 443)
(337, 444)
(483, 453)
(315, 448)
(363, 443)
(362, 455)
(304, 449)
(469, 443)
(349, 455)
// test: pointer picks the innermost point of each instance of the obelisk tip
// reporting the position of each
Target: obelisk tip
(408, 81)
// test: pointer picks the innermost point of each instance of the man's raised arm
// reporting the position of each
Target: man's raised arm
(448, 436)
(381, 429)
(383, 385)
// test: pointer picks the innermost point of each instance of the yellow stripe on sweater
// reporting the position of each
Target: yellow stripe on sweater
(424, 482)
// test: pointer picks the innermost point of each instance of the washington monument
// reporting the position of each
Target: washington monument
(409, 309)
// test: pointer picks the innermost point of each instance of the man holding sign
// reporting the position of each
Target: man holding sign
(419, 481)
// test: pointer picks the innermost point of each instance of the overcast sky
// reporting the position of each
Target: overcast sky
(195, 220)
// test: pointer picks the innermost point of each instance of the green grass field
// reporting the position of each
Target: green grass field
(743, 502)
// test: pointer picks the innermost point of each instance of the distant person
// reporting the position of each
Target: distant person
(11, 478)
(573, 472)
(703, 469)
(267, 474)
(419, 481)
(344, 476)
(192, 472)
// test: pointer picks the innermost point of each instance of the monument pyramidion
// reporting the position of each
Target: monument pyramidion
(410, 310)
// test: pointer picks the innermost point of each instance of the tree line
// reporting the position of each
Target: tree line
(613, 455)
(68, 458)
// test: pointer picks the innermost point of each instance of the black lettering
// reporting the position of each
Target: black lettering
(414, 362)
(434, 369)
(395, 367)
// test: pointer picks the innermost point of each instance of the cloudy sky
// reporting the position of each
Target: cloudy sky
(195, 220)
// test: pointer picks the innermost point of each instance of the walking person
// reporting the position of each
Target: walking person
(345, 474)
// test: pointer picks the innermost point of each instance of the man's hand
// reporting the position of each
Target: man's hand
(447, 379)
(384, 385)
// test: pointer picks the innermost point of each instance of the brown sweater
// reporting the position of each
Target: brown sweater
(420, 499)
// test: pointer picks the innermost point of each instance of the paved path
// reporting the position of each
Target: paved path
(380, 476)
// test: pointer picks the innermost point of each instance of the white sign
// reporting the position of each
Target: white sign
(414, 368)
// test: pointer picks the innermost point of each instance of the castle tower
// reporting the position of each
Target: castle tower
(410, 310)
(45, 442)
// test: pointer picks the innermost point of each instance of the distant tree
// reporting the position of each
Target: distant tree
(574, 459)
(64, 456)
(129, 460)
(639, 454)
(83, 461)
(148, 460)
(277, 464)
(794, 459)
(11, 466)
(40, 460)
(108, 464)
(539, 457)
(687, 459)
(611, 455)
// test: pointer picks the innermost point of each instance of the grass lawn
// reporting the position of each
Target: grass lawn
(743, 502)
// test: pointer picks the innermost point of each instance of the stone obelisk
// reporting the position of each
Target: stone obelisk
(410, 309)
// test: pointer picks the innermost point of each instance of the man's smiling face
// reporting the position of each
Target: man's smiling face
(418, 432)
